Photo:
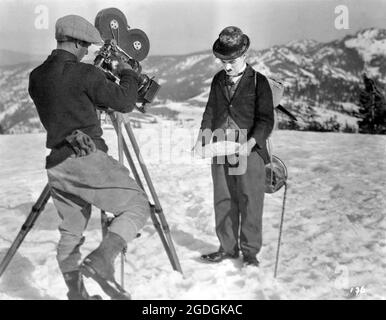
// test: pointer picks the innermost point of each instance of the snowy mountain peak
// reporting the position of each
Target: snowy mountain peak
(370, 43)
(302, 46)
(372, 33)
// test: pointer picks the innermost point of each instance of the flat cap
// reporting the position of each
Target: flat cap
(76, 27)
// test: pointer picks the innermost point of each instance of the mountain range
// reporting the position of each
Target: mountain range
(322, 80)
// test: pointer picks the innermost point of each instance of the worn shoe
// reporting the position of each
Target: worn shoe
(250, 261)
(76, 289)
(99, 265)
(218, 256)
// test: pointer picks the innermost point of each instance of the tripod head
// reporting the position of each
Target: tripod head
(127, 45)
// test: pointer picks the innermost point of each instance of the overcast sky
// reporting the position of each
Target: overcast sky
(185, 26)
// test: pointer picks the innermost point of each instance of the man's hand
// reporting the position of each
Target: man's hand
(246, 148)
(136, 66)
(122, 66)
(81, 143)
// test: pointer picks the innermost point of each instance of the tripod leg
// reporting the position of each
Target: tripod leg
(127, 153)
(37, 208)
(120, 138)
(280, 230)
(104, 223)
(163, 232)
(158, 209)
(164, 240)
(120, 159)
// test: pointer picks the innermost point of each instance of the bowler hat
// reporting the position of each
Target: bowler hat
(231, 43)
(75, 27)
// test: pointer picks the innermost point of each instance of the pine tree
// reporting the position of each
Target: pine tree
(372, 109)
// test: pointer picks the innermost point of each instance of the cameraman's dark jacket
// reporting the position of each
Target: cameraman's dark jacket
(66, 93)
(251, 107)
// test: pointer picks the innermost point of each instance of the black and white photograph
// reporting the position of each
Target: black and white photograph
(211, 150)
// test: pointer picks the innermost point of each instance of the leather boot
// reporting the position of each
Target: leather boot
(250, 260)
(99, 265)
(76, 289)
(219, 256)
(102, 258)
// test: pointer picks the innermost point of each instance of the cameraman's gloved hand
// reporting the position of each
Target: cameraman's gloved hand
(82, 144)
(122, 66)
(136, 66)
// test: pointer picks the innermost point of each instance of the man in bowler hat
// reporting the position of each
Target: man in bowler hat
(240, 98)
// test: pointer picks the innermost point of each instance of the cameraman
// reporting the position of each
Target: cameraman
(66, 93)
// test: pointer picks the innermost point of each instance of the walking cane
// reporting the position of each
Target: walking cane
(277, 179)
(280, 230)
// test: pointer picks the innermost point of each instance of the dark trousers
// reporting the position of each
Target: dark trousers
(238, 205)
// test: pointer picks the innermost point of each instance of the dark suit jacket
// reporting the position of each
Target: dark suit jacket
(251, 107)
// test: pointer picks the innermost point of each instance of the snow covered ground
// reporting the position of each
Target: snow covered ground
(334, 231)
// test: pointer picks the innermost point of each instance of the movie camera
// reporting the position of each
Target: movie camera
(127, 45)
